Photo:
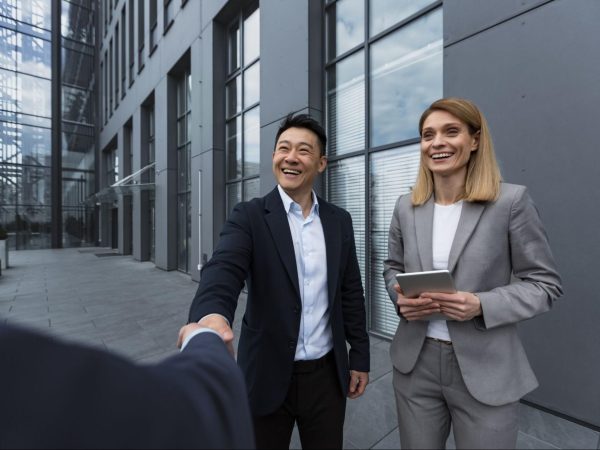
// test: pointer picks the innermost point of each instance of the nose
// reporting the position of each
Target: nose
(291, 156)
(438, 140)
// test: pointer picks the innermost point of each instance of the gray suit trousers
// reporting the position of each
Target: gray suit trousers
(433, 396)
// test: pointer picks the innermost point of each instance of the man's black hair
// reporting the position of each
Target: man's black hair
(303, 121)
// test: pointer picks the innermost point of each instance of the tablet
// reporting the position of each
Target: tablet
(415, 283)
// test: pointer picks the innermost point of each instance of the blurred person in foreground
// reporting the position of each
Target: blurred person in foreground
(470, 369)
(62, 395)
(296, 252)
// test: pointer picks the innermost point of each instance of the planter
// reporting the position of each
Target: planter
(4, 253)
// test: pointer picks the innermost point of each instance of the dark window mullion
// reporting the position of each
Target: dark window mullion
(367, 209)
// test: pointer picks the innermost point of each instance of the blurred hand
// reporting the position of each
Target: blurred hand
(460, 306)
(358, 383)
(415, 308)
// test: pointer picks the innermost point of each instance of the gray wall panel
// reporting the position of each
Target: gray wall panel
(291, 70)
(536, 78)
(465, 17)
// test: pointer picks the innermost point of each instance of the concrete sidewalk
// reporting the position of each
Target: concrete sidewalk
(96, 297)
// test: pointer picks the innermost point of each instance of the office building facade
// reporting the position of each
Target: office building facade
(47, 117)
(190, 93)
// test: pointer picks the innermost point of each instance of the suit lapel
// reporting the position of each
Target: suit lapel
(333, 244)
(469, 217)
(424, 232)
(277, 222)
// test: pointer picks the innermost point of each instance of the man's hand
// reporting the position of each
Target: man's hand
(460, 306)
(358, 383)
(416, 308)
(215, 322)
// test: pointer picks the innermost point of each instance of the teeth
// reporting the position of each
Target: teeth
(441, 155)
(292, 172)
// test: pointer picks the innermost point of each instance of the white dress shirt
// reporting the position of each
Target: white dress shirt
(445, 223)
(315, 338)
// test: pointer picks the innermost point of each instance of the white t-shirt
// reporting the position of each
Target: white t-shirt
(445, 223)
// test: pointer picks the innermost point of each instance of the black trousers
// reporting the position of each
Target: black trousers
(315, 401)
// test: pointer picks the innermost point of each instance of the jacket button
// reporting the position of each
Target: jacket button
(292, 344)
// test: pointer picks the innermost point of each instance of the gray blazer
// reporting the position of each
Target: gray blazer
(501, 253)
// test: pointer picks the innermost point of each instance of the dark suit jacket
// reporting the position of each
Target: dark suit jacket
(57, 395)
(256, 246)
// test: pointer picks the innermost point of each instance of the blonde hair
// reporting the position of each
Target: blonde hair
(483, 174)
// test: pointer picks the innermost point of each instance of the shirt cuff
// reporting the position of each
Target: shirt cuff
(195, 333)
(217, 314)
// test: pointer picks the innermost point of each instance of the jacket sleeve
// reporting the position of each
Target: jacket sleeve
(394, 263)
(353, 309)
(222, 278)
(536, 282)
(208, 379)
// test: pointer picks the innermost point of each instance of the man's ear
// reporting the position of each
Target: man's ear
(322, 164)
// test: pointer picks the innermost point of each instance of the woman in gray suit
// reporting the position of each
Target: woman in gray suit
(468, 369)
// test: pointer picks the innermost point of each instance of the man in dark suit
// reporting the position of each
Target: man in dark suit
(59, 395)
(296, 252)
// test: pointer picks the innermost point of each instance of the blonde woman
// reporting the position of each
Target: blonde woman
(469, 370)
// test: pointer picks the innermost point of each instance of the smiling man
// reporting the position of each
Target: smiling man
(305, 298)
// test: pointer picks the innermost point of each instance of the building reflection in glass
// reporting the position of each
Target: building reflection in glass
(25, 128)
(26, 200)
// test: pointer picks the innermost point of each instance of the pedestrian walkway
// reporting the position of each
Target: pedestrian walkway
(97, 297)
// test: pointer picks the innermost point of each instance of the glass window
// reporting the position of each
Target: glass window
(252, 85)
(35, 145)
(37, 13)
(346, 188)
(242, 127)
(8, 48)
(78, 105)
(385, 13)
(252, 142)
(116, 65)
(233, 97)
(141, 33)
(406, 75)
(251, 37)
(184, 172)
(153, 25)
(78, 150)
(77, 68)
(370, 166)
(234, 195)
(34, 95)
(77, 22)
(346, 102)
(123, 54)
(233, 46)
(346, 26)
(251, 189)
(169, 13)
(8, 92)
(34, 56)
(131, 39)
(234, 149)
(393, 172)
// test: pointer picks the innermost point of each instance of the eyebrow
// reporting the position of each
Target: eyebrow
(289, 143)
(446, 125)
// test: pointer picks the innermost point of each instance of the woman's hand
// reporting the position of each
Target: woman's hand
(415, 308)
(460, 306)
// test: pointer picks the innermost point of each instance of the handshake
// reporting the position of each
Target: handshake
(214, 322)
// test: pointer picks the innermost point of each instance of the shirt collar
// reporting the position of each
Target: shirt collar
(288, 201)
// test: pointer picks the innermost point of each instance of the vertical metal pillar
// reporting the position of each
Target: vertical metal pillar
(56, 158)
